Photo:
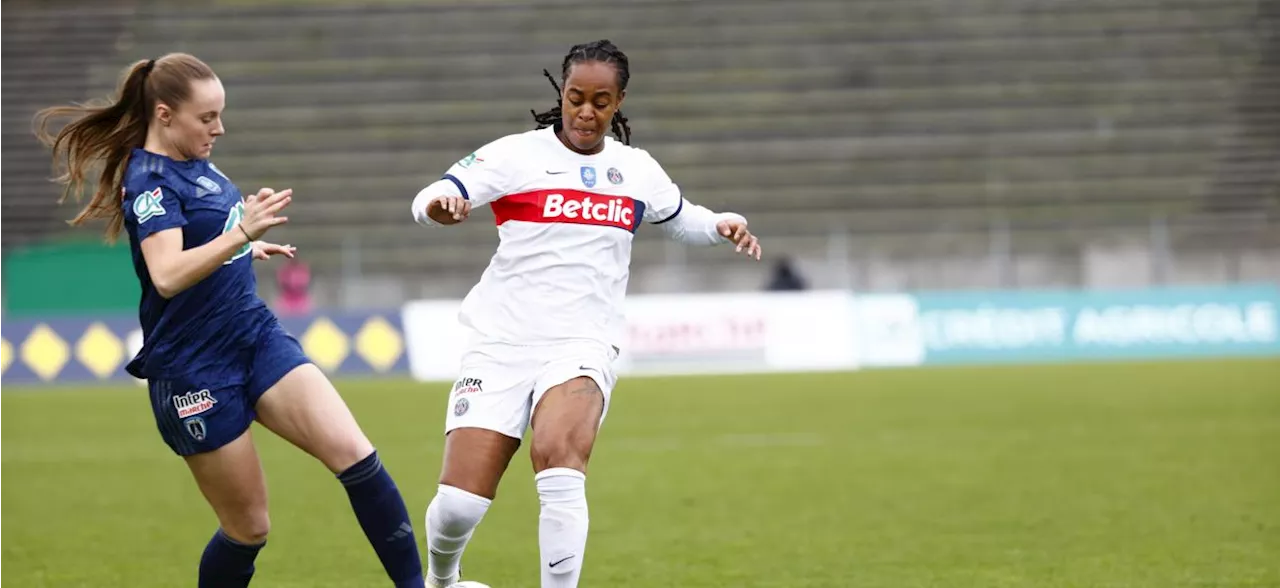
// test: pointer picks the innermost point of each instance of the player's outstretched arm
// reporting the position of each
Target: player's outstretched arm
(696, 225)
(174, 269)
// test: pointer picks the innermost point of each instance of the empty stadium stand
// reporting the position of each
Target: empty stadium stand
(882, 143)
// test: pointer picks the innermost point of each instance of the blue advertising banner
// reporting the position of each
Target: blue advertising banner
(91, 349)
(1004, 327)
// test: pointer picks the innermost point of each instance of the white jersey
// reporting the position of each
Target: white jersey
(566, 222)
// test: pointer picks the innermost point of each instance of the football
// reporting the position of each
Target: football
(468, 584)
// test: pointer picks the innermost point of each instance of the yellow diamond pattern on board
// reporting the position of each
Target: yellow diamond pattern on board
(100, 350)
(379, 343)
(325, 344)
(44, 352)
(6, 355)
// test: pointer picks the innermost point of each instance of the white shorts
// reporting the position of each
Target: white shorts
(499, 384)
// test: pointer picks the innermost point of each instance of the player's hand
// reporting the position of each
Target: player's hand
(736, 232)
(260, 211)
(264, 250)
(449, 210)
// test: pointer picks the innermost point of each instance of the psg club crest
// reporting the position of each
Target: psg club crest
(615, 176)
(588, 176)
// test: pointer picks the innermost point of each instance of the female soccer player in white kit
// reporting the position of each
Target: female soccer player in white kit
(546, 318)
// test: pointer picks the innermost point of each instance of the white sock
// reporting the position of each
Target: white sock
(562, 526)
(452, 517)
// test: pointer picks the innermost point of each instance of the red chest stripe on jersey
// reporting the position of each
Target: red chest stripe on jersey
(569, 206)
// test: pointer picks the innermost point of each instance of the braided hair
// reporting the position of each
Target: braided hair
(602, 51)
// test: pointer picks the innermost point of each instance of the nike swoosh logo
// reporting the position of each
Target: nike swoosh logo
(588, 369)
(551, 173)
(556, 563)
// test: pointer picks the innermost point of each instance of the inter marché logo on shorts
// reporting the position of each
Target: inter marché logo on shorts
(467, 386)
(193, 403)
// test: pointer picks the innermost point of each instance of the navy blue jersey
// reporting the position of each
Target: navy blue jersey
(208, 324)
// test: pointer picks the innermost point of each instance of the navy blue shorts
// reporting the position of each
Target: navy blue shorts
(205, 410)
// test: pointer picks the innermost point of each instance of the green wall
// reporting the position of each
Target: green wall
(69, 278)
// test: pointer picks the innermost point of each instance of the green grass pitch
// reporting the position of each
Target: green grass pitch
(1158, 475)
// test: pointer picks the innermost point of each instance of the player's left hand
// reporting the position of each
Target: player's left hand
(264, 250)
(736, 232)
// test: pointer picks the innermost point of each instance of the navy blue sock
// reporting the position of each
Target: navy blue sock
(385, 521)
(227, 563)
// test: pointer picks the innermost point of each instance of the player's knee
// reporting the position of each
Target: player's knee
(559, 449)
(249, 528)
(454, 512)
(346, 452)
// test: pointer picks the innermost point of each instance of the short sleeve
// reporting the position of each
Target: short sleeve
(152, 206)
(485, 175)
(664, 201)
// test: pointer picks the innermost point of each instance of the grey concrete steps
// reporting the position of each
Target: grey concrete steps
(429, 34)
(639, 106)
(927, 203)
(948, 126)
(874, 117)
(655, 134)
(568, 16)
(398, 249)
(360, 207)
(527, 84)
(409, 63)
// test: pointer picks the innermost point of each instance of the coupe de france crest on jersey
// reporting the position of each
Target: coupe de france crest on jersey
(588, 176)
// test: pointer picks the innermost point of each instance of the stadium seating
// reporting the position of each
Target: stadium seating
(49, 55)
(908, 128)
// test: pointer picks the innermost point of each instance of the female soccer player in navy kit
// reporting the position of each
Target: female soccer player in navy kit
(214, 356)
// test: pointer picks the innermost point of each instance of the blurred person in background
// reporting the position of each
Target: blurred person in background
(785, 277)
(293, 288)
(214, 357)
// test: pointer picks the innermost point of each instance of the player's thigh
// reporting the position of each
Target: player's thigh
(571, 399)
(205, 418)
(296, 401)
(565, 425)
(306, 410)
(488, 412)
(231, 479)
